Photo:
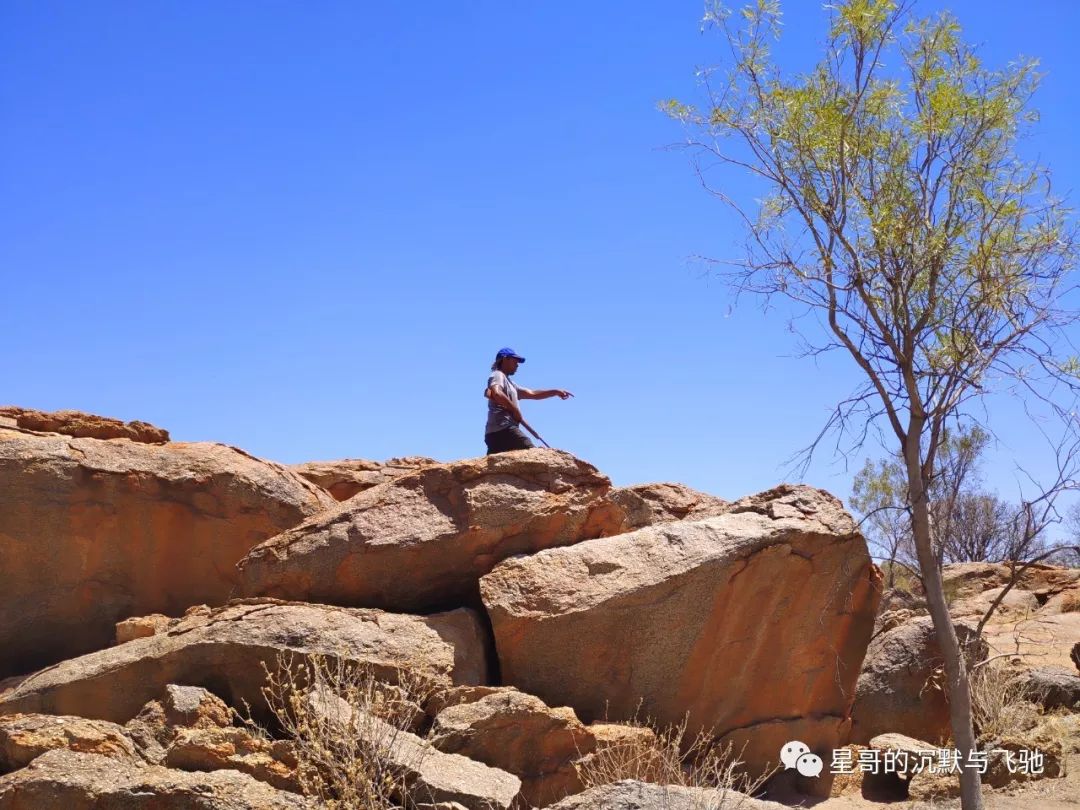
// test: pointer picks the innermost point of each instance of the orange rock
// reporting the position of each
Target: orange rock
(64, 780)
(24, 737)
(522, 735)
(93, 531)
(85, 425)
(422, 541)
(225, 652)
(753, 623)
(141, 627)
(347, 477)
(652, 504)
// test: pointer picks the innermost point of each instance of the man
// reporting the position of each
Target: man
(502, 432)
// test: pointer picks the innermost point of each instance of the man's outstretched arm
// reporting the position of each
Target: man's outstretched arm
(544, 393)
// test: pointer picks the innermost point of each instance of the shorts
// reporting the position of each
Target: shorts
(510, 438)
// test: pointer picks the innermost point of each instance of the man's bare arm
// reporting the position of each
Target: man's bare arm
(545, 393)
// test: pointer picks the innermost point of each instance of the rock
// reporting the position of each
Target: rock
(226, 650)
(522, 735)
(65, 780)
(631, 795)
(964, 580)
(347, 477)
(141, 627)
(24, 737)
(1052, 687)
(433, 776)
(1006, 755)
(456, 695)
(1066, 601)
(898, 690)
(1045, 638)
(653, 504)
(889, 619)
(1074, 654)
(772, 601)
(85, 425)
(194, 707)
(422, 541)
(1016, 603)
(122, 529)
(214, 749)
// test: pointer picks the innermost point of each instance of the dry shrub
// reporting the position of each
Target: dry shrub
(668, 757)
(346, 726)
(1000, 701)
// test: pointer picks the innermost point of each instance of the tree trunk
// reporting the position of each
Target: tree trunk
(956, 676)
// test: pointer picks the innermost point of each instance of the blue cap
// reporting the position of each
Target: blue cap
(508, 352)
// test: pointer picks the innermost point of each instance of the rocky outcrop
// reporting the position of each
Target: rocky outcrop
(25, 737)
(901, 687)
(93, 531)
(225, 652)
(347, 477)
(1016, 603)
(652, 504)
(83, 425)
(752, 624)
(65, 780)
(963, 580)
(421, 542)
(631, 795)
(522, 735)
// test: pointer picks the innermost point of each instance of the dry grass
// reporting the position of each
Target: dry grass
(1000, 702)
(669, 757)
(346, 725)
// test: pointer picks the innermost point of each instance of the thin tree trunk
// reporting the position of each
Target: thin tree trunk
(956, 676)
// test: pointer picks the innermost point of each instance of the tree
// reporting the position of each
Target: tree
(967, 524)
(897, 206)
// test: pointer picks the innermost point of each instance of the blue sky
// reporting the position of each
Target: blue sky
(305, 228)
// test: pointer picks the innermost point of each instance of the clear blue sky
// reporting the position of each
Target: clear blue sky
(305, 228)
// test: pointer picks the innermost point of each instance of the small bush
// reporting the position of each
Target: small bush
(345, 725)
(668, 757)
(1000, 702)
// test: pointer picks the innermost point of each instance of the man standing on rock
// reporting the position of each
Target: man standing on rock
(502, 432)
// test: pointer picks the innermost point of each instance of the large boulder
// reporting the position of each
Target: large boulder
(1052, 687)
(25, 737)
(225, 652)
(901, 687)
(95, 530)
(422, 541)
(632, 795)
(82, 425)
(752, 625)
(346, 477)
(522, 735)
(66, 780)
